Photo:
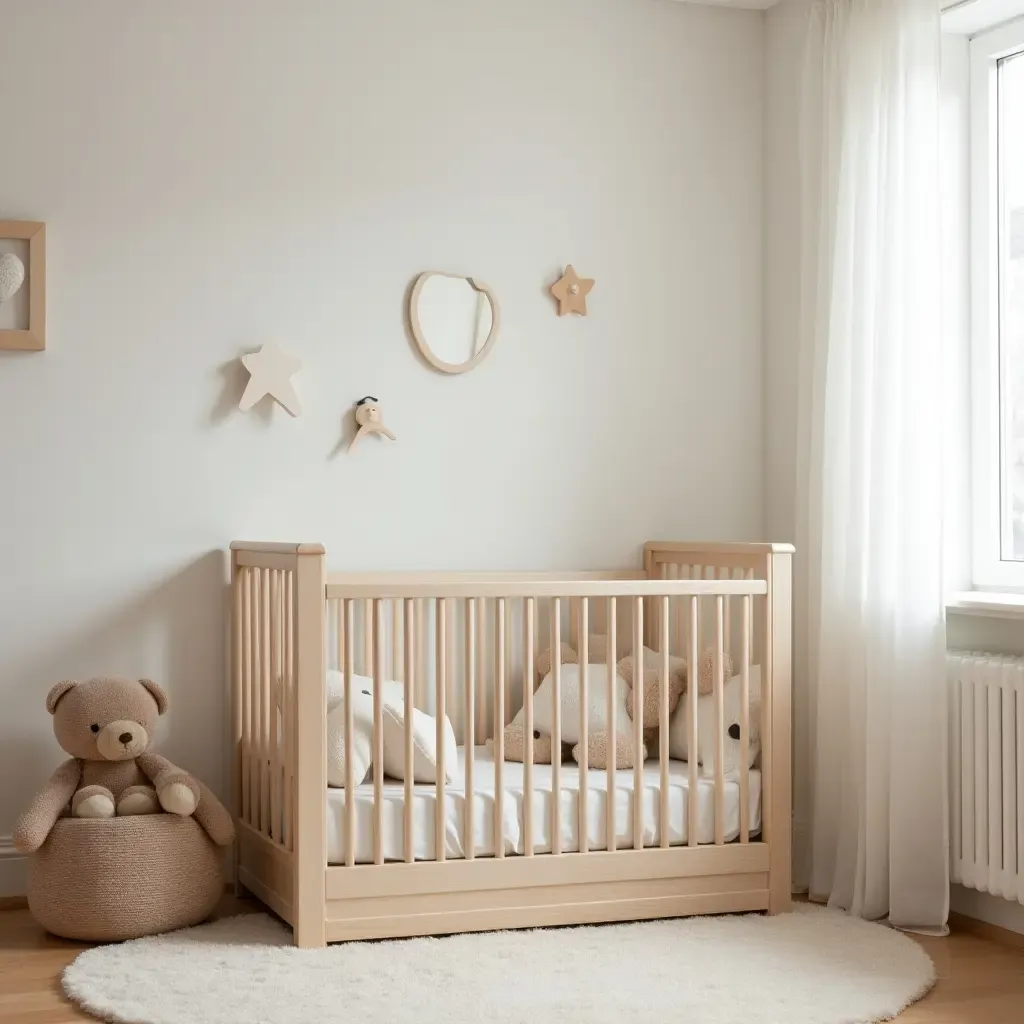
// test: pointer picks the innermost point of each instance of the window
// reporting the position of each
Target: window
(997, 303)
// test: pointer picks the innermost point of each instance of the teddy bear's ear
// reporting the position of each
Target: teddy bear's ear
(56, 692)
(158, 694)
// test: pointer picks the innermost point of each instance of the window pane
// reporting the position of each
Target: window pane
(1011, 299)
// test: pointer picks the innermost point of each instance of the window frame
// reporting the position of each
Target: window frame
(990, 569)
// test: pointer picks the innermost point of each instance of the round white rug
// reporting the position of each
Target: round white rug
(813, 966)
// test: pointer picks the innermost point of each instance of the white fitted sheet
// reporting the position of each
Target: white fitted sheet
(425, 801)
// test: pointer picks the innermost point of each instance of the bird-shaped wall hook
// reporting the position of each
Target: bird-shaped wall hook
(368, 418)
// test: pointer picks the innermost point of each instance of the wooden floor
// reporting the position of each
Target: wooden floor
(980, 981)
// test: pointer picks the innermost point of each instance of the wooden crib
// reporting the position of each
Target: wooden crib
(464, 644)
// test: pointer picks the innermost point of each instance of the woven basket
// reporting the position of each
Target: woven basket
(104, 880)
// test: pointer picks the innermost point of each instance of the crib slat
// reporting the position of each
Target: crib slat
(378, 731)
(556, 726)
(638, 723)
(275, 703)
(469, 728)
(237, 686)
(409, 679)
(499, 726)
(693, 793)
(350, 728)
(255, 696)
(697, 573)
(666, 640)
(749, 574)
(367, 638)
(259, 818)
(267, 660)
(508, 664)
(745, 725)
(422, 695)
(396, 640)
(611, 756)
(339, 615)
(725, 574)
(719, 722)
(584, 758)
(452, 613)
(288, 717)
(255, 807)
(245, 575)
(440, 681)
(481, 670)
(528, 726)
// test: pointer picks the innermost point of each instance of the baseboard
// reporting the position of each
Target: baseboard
(982, 908)
(962, 923)
(13, 871)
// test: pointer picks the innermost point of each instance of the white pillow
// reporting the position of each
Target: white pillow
(336, 687)
(424, 733)
(362, 740)
(424, 744)
(597, 703)
(679, 726)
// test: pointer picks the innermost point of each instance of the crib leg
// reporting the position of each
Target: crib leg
(309, 934)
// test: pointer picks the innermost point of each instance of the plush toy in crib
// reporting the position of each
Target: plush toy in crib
(515, 734)
(393, 716)
(107, 725)
(598, 731)
(679, 726)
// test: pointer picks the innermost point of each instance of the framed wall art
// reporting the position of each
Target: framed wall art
(22, 285)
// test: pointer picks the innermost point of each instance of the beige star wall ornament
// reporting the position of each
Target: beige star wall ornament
(571, 290)
(270, 373)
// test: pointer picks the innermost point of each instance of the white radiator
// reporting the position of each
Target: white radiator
(987, 772)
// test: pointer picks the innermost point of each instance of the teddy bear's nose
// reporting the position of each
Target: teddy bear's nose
(125, 737)
(734, 731)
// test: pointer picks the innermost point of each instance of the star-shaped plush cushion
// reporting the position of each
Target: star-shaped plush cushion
(570, 699)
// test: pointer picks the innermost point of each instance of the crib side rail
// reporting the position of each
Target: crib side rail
(277, 682)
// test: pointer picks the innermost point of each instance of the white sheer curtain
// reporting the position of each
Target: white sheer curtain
(870, 637)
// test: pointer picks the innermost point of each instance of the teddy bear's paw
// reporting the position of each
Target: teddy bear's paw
(93, 802)
(178, 798)
(138, 800)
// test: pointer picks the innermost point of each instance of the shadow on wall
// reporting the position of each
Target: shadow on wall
(176, 633)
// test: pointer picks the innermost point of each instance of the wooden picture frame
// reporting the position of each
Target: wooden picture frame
(33, 337)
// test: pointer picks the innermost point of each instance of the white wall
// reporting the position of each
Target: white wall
(214, 176)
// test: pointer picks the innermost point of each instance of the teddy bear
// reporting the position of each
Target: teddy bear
(107, 725)
(598, 733)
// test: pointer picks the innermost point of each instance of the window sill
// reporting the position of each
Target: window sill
(993, 604)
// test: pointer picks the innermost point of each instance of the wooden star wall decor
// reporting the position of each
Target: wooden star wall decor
(571, 290)
(271, 372)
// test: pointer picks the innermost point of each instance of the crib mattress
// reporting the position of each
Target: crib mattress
(513, 831)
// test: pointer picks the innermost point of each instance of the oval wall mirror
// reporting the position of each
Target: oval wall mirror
(454, 320)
